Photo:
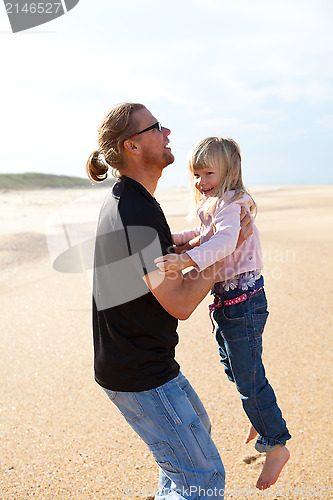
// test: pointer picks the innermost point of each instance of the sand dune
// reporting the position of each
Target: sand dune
(60, 436)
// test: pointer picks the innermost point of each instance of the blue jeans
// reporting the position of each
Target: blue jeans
(239, 336)
(174, 424)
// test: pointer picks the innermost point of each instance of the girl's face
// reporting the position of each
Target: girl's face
(206, 180)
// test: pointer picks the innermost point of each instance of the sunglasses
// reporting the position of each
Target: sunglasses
(156, 125)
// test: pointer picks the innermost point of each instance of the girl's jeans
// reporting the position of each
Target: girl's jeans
(174, 424)
(239, 336)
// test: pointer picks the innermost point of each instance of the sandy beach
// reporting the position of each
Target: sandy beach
(61, 438)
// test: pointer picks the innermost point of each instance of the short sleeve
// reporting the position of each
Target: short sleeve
(148, 236)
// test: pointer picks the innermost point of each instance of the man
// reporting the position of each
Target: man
(135, 309)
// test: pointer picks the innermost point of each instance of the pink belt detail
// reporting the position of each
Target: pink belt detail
(218, 303)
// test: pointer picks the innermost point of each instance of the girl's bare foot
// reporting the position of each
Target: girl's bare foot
(251, 434)
(274, 463)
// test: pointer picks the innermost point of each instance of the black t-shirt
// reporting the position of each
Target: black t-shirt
(134, 336)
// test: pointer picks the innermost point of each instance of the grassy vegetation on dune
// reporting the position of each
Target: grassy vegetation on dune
(41, 181)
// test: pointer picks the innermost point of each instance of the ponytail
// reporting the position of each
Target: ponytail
(96, 168)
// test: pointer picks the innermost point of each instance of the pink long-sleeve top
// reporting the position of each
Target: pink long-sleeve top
(218, 238)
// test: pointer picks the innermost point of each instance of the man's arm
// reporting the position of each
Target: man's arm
(180, 294)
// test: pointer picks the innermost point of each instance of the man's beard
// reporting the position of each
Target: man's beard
(152, 159)
(169, 158)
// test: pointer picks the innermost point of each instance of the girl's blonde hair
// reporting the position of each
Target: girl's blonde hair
(224, 155)
(117, 126)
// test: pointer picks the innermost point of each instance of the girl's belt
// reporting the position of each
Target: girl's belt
(219, 303)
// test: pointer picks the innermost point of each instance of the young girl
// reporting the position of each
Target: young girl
(240, 306)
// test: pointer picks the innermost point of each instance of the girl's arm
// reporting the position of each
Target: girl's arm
(223, 243)
(220, 245)
(184, 237)
(180, 294)
(194, 242)
(225, 239)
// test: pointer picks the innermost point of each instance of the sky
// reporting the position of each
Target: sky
(258, 71)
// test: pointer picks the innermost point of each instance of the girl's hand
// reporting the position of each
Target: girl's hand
(174, 262)
(187, 246)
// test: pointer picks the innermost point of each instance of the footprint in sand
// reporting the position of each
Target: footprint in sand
(249, 459)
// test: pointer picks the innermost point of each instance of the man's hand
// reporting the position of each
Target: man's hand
(246, 226)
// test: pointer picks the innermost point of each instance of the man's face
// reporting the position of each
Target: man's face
(153, 143)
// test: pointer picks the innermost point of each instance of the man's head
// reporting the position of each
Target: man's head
(129, 134)
(149, 144)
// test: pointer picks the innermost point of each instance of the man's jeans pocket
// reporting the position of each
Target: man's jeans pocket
(167, 460)
(207, 446)
(168, 406)
(127, 403)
